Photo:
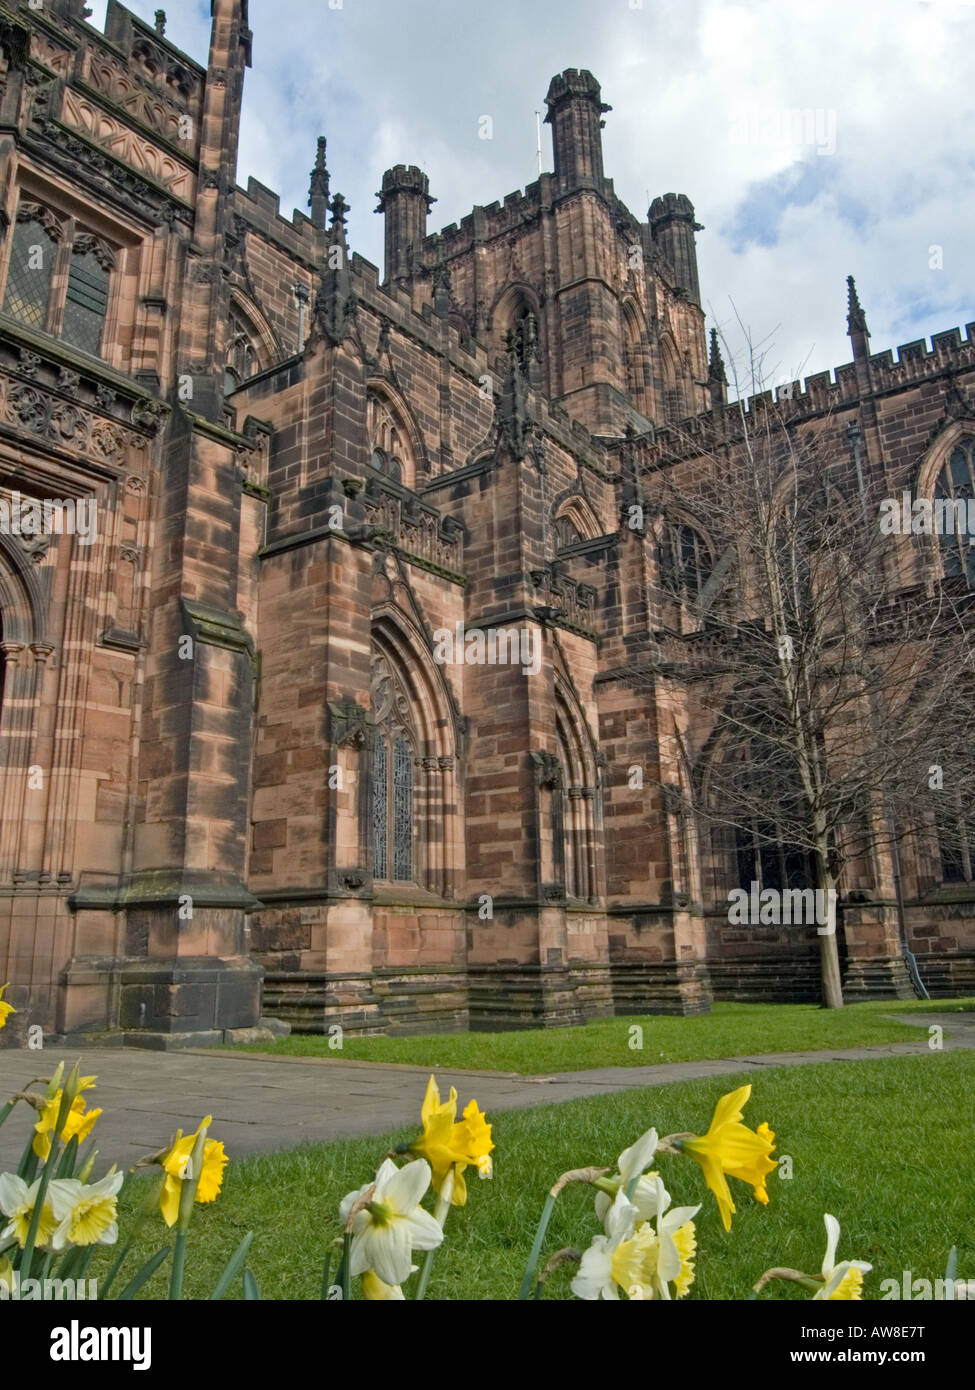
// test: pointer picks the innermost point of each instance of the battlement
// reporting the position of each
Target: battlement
(821, 393)
(260, 207)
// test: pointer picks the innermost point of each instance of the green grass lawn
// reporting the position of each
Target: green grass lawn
(730, 1030)
(886, 1146)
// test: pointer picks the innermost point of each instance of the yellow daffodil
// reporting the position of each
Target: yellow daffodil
(6, 1274)
(451, 1146)
(92, 1216)
(78, 1122)
(393, 1224)
(474, 1137)
(5, 1009)
(731, 1148)
(375, 1291)
(17, 1202)
(177, 1164)
(843, 1281)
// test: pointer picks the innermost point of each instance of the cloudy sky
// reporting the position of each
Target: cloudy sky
(877, 179)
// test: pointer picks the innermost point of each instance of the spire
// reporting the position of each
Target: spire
(335, 302)
(856, 323)
(318, 190)
(717, 376)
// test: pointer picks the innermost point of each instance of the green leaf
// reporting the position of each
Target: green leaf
(67, 1161)
(143, 1276)
(251, 1291)
(232, 1267)
(951, 1269)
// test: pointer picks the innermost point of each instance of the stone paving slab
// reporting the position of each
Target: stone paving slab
(260, 1103)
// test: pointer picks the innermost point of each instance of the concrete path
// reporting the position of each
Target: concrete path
(261, 1103)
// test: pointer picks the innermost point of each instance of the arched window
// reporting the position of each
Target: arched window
(86, 300)
(393, 754)
(391, 452)
(29, 274)
(673, 401)
(566, 533)
(956, 485)
(243, 360)
(956, 840)
(753, 790)
(685, 561)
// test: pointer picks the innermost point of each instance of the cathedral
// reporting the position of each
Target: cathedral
(252, 766)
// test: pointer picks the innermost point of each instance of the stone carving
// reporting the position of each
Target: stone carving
(349, 723)
(548, 770)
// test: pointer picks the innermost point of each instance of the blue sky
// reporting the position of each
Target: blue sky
(709, 99)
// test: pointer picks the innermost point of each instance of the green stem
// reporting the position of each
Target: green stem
(425, 1269)
(536, 1251)
(35, 1218)
(179, 1264)
(346, 1267)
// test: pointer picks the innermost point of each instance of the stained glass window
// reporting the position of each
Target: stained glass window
(380, 806)
(29, 275)
(402, 811)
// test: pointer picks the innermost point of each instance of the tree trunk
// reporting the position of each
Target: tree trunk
(829, 955)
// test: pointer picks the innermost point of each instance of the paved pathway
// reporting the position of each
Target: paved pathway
(261, 1103)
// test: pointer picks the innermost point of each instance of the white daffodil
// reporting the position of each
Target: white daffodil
(633, 1163)
(17, 1202)
(393, 1225)
(614, 1260)
(676, 1245)
(844, 1280)
(92, 1216)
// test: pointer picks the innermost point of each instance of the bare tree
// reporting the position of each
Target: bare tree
(839, 660)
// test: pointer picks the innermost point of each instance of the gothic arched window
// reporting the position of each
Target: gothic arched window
(393, 747)
(390, 449)
(956, 484)
(685, 560)
(29, 274)
(243, 359)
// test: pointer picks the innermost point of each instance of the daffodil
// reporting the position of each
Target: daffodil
(845, 1280)
(5, 1009)
(618, 1259)
(451, 1146)
(92, 1216)
(473, 1135)
(77, 1122)
(632, 1163)
(177, 1165)
(17, 1202)
(676, 1246)
(393, 1224)
(731, 1148)
(375, 1291)
(7, 1278)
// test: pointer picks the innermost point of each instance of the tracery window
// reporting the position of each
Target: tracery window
(956, 842)
(956, 482)
(31, 269)
(86, 299)
(242, 356)
(59, 277)
(393, 754)
(685, 561)
(390, 451)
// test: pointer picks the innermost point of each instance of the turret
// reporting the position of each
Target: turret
(575, 111)
(672, 227)
(405, 202)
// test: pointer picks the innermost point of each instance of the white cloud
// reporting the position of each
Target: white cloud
(404, 81)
